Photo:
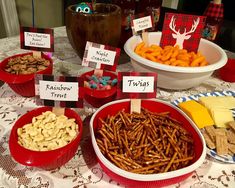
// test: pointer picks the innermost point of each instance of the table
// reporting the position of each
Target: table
(83, 170)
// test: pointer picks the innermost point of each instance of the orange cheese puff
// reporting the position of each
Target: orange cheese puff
(197, 61)
(203, 63)
(150, 57)
(139, 47)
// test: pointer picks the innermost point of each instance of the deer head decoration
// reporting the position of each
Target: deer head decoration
(180, 37)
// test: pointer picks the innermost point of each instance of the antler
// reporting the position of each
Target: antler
(194, 26)
(172, 25)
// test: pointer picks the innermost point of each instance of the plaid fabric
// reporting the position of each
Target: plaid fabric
(183, 23)
(63, 104)
(215, 11)
(121, 94)
(91, 64)
(37, 30)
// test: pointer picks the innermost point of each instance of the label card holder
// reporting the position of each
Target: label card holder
(59, 91)
(37, 39)
(136, 85)
(100, 56)
(141, 23)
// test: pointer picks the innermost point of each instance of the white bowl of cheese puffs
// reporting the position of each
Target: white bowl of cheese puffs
(158, 147)
(173, 71)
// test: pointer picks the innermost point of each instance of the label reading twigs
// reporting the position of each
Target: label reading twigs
(136, 85)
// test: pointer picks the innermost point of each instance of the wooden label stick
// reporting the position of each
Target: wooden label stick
(98, 72)
(37, 54)
(145, 38)
(136, 105)
(58, 111)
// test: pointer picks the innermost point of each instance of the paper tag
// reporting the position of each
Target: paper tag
(142, 23)
(100, 56)
(135, 105)
(136, 85)
(182, 30)
(59, 91)
(37, 39)
(58, 111)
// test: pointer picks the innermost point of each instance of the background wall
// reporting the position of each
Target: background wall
(2, 28)
(48, 13)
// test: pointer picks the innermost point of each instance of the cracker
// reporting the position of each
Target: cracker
(221, 142)
(231, 136)
(231, 148)
(208, 140)
(231, 124)
(210, 130)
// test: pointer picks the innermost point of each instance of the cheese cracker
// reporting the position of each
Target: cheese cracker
(231, 124)
(231, 136)
(210, 130)
(221, 142)
(208, 140)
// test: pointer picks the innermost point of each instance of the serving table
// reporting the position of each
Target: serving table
(83, 170)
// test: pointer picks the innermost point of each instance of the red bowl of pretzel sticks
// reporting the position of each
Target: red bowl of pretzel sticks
(158, 147)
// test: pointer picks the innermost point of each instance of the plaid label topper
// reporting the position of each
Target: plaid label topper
(136, 85)
(37, 39)
(141, 23)
(101, 56)
(183, 30)
(59, 91)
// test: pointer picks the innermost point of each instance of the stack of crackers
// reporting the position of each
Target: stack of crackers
(221, 139)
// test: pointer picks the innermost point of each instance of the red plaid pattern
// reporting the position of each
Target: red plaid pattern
(215, 11)
(63, 104)
(37, 30)
(101, 46)
(183, 23)
(122, 95)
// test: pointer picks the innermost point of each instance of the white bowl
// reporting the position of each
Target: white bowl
(173, 77)
(147, 180)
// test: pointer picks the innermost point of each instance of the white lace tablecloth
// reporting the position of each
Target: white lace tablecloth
(83, 170)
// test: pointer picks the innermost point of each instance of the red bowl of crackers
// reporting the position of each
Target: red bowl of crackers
(18, 72)
(40, 138)
(98, 97)
(158, 147)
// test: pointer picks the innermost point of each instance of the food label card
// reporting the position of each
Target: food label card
(136, 85)
(100, 56)
(37, 39)
(59, 91)
(141, 23)
(183, 30)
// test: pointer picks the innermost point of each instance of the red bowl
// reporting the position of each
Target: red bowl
(43, 159)
(153, 180)
(22, 84)
(227, 72)
(96, 97)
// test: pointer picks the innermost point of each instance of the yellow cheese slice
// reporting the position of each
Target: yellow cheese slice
(223, 102)
(197, 112)
(221, 116)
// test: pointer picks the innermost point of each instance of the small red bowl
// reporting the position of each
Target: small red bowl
(148, 180)
(96, 97)
(227, 72)
(47, 160)
(22, 84)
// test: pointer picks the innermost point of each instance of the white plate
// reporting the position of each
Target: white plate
(212, 153)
